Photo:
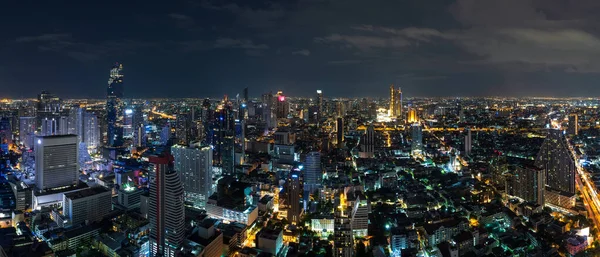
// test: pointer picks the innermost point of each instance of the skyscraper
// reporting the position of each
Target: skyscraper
(399, 111)
(195, 167)
(312, 171)
(319, 105)
(27, 129)
(367, 143)
(525, 180)
(114, 106)
(56, 161)
(343, 237)
(468, 143)
(267, 108)
(166, 210)
(412, 116)
(91, 131)
(340, 132)
(183, 128)
(417, 138)
(573, 124)
(294, 192)
(282, 106)
(5, 131)
(557, 162)
(392, 109)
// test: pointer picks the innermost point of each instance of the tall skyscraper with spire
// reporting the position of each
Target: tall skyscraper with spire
(114, 106)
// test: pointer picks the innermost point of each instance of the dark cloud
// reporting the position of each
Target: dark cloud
(349, 47)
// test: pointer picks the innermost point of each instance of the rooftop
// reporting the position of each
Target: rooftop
(86, 192)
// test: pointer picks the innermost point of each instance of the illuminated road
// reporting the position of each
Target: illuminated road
(588, 191)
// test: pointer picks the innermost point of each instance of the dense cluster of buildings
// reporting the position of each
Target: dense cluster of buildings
(280, 175)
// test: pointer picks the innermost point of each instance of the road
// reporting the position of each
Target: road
(587, 189)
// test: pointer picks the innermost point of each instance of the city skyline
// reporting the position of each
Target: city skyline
(207, 48)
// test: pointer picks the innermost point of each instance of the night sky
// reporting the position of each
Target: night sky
(200, 48)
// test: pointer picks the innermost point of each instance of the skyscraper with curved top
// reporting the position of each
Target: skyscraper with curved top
(114, 106)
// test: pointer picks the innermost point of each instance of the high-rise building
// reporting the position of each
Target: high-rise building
(556, 160)
(5, 131)
(166, 210)
(468, 143)
(573, 124)
(282, 106)
(360, 214)
(195, 167)
(294, 192)
(27, 127)
(412, 116)
(417, 138)
(114, 106)
(91, 131)
(319, 101)
(228, 154)
(268, 110)
(75, 123)
(183, 128)
(87, 205)
(312, 171)
(343, 237)
(399, 108)
(525, 180)
(48, 106)
(56, 161)
(367, 143)
(392, 109)
(340, 132)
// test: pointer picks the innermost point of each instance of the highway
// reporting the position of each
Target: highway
(587, 189)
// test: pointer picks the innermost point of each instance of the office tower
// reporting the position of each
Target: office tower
(343, 238)
(5, 131)
(412, 116)
(91, 131)
(573, 125)
(127, 123)
(319, 105)
(114, 106)
(56, 161)
(399, 110)
(367, 143)
(360, 215)
(49, 127)
(166, 210)
(139, 136)
(165, 134)
(240, 140)
(87, 205)
(282, 106)
(227, 153)
(525, 180)
(194, 164)
(468, 143)
(312, 171)
(48, 106)
(63, 126)
(267, 108)
(340, 132)
(183, 128)
(392, 109)
(417, 138)
(75, 123)
(294, 195)
(270, 241)
(557, 162)
(27, 127)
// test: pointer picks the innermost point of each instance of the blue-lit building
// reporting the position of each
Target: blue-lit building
(114, 106)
